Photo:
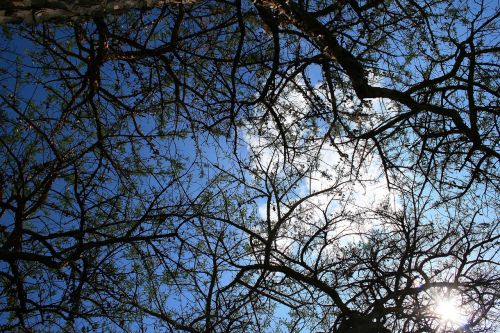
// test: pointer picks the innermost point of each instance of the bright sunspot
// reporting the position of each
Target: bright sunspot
(449, 311)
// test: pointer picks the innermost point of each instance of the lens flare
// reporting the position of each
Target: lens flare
(449, 311)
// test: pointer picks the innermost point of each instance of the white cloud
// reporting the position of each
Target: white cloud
(327, 169)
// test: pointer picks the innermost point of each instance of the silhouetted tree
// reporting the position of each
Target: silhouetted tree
(216, 166)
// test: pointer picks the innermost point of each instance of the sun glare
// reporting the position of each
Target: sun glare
(448, 309)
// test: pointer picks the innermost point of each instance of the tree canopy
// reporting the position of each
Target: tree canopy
(235, 166)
